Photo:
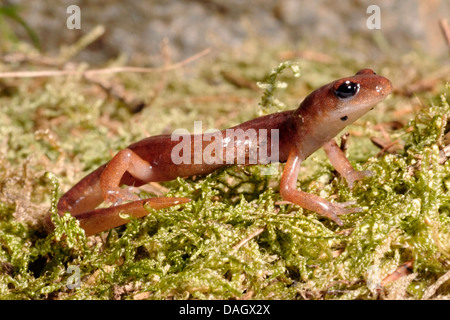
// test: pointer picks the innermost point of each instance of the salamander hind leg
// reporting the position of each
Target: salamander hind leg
(108, 185)
(128, 161)
(124, 161)
(98, 220)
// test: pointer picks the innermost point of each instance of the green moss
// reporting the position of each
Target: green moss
(269, 103)
(233, 239)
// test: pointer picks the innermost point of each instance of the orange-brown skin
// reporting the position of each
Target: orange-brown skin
(320, 117)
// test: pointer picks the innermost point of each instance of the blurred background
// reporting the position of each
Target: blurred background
(135, 29)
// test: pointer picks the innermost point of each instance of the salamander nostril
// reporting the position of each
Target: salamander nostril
(344, 118)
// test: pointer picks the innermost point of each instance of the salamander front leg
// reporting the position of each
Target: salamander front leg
(342, 164)
(289, 192)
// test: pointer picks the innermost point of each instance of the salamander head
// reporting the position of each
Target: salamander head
(327, 110)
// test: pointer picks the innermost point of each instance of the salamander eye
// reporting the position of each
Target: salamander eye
(347, 90)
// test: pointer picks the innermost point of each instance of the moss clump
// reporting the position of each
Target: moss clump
(232, 240)
(235, 239)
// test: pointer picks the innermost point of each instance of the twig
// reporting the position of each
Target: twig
(87, 73)
(20, 58)
(67, 53)
(400, 272)
(424, 84)
(386, 146)
(165, 52)
(117, 91)
(431, 290)
(244, 241)
(239, 81)
(344, 141)
(443, 23)
(444, 154)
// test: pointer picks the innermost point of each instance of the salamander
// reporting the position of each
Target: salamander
(300, 132)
